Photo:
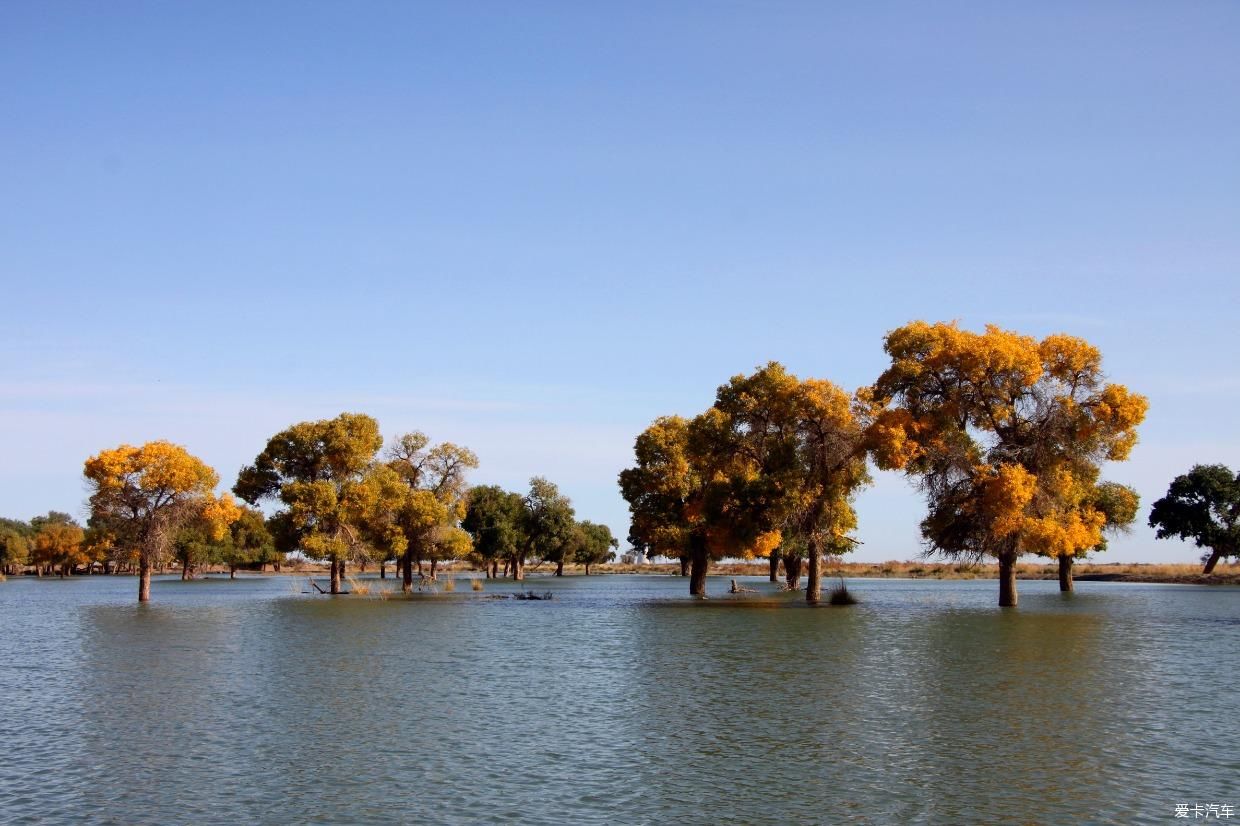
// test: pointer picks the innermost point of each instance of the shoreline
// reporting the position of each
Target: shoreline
(1152, 573)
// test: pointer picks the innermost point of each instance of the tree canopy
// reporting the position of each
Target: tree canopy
(314, 469)
(141, 496)
(593, 544)
(773, 455)
(1202, 505)
(1005, 435)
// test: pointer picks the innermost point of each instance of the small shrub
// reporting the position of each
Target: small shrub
(475, 584)
(840, 595)
(449, 585)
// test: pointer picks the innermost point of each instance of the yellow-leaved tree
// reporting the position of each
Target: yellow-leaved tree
(317, 471)
(1005, 434)
(140, 496)
(775, 458)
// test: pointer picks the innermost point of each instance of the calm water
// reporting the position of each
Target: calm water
(620, 700)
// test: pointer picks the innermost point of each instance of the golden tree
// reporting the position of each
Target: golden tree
(312, 469)
(803, 460)
(140, 496)
(773, 456)
(1005, 434)
(58, 542)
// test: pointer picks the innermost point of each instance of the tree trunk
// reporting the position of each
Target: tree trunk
(792, 572)
(1212, 561)
(1007, 580)
(699, 562)
(587, 569)
(774, 566)
(518, 569)
(406, 573)
(684, 565)
(1065, 573)
(335, 576)
(185, 569)
(559, 568)
(813, 585)
(144, 580)
(420, 574)
(494, 569)
(382, 570)
(434, 563)
(232, 571)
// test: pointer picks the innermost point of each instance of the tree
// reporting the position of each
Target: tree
(57, 544)
(666, 492)
(1004, 434)
(313, 470)
(436, 479)
(14, 545)
(141, 496)
(494, 519)
(1118, 506)
(1202, 505)
(549, 523)
(593, 544)
(798, 461)
(197, 544)
(251, 543)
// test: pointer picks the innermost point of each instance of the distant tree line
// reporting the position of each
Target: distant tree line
(334, 494)
(1004, 434)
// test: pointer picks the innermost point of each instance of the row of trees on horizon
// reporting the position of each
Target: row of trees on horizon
(1004, 434)
(336, 496)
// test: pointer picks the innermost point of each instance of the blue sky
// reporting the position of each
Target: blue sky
(533, 228)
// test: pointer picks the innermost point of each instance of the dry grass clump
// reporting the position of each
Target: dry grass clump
(840, 595)
(475, 584)
(449, 585)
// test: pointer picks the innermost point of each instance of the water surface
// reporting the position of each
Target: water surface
(619, 700)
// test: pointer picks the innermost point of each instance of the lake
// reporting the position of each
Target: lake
(620, 700)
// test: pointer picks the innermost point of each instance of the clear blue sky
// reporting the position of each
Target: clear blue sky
(532, 228)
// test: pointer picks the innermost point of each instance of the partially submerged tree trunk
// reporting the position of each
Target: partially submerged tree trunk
(383, 570)
(792, 572)
(1007, 580)
(232, 571)
(699, 562)
(335, 576)
(494, 569)
(1065, 573)
(406, 573)
(185, 570)
(813, 585)
(144, 580)
(774, 566)
(684, 565)
(434, 564)
(587, 569)
(1215, 556)
(559, 568)
(518, 569)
